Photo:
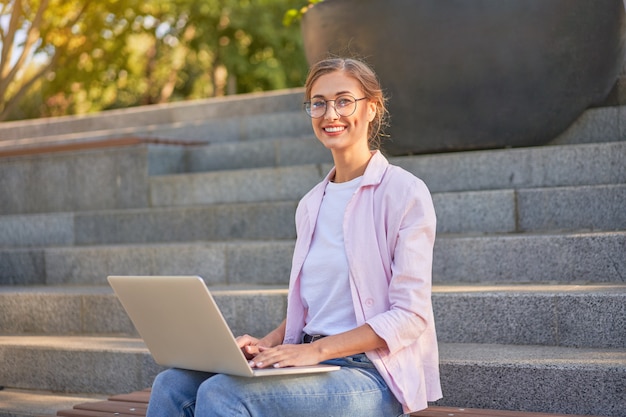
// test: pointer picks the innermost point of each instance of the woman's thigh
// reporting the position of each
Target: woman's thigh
(351, 391)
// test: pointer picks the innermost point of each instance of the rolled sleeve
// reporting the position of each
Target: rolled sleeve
(410, 285)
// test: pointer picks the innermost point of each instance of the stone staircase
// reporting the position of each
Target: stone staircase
(529, 271)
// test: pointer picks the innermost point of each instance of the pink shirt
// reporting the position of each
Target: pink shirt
(389, 233)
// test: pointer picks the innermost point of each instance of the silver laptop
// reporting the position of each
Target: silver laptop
(183, 327)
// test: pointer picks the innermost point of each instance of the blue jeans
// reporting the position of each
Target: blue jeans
(355, 390)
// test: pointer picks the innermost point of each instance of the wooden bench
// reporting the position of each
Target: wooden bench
(136, 403)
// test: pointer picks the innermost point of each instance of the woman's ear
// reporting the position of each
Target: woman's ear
(371, 111)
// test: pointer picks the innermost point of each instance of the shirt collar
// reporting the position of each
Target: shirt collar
(373, 172)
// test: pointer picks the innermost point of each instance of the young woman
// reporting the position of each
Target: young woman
(360, 284)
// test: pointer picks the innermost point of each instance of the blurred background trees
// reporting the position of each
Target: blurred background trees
(61, 57)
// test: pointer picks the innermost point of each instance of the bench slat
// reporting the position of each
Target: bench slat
(133, 397)
(441, 411)
(87, 413)
(125, 407)
(136, 403)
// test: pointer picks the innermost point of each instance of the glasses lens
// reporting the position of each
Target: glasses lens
(345, 105)
(315, 108)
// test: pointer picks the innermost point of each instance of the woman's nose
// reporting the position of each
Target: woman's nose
(331, 112)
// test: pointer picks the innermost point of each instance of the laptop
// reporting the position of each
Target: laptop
(183, 327)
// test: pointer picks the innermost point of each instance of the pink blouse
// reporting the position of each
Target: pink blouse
(389, 233)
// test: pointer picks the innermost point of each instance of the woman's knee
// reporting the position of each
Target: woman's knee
(181, 381)
(163, 380)
(222, 395)
(220, 386)
(169, 378)
(174, 393)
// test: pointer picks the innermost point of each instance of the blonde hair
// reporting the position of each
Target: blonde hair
(371, 88)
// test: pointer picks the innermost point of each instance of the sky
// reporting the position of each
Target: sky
(20, 37)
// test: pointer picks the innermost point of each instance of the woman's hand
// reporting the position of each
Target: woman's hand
(287, 355)
(249, 345)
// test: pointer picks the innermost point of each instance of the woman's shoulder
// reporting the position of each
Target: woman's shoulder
(399, 178)
(405, 193)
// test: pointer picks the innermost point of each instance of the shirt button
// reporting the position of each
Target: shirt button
(369, 302)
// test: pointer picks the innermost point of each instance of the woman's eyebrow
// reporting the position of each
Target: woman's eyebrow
(340, 93)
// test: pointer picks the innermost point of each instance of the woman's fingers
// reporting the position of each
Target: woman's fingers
(248, 345)
(285, 355)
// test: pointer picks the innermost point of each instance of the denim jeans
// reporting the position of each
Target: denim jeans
(355, 390)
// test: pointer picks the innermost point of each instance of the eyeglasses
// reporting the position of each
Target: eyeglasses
(344, 106)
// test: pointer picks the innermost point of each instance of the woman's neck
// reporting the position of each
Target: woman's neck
(349, 166)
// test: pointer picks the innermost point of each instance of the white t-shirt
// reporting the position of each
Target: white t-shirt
(324, 283)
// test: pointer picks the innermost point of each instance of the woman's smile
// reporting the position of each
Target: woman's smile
(334, 129)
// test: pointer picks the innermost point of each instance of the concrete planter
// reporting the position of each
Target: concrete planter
(476, 74)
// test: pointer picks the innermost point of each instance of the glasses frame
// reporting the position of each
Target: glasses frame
(307, 106)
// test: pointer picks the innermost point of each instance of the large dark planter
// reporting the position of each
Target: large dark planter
(475, 74)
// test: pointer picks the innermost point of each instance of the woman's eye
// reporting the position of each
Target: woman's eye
(320, 104)
(343, 101)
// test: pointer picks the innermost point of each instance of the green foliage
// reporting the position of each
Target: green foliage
(91, 55)
(294, 15)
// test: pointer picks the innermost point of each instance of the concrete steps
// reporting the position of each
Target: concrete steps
(590, 208)
(550, 166)
(555, 339)
(549, 379)
(95, 310)
(538, 314)
(118, 178)
(566, 257)
(472, 373)
(581, 316)
(529, 269)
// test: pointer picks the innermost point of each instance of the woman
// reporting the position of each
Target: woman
(360, 284)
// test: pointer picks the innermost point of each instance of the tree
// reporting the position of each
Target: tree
(70, 57)
(40, 36)
(17, 52)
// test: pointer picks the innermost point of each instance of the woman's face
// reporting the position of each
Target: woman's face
(337, 132)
